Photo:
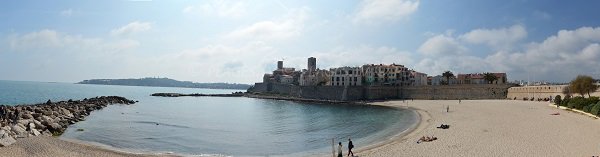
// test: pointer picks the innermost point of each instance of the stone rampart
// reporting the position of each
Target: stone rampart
(547, 91)
(354, 93)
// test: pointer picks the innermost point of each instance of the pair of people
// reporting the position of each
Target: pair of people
(427, 139)
(350, 146)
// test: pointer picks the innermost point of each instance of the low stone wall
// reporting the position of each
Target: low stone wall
(353, 93)
(50, 118)
(548, 91)
(487, 91)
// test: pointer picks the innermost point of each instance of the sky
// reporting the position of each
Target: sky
(239, 41)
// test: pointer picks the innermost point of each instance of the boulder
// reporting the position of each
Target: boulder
(46, 133)
(19, 131)
(27, 116)
(65, 111)
(47, 120)
(7, 141)
(55, 127)
(39, 125)
(23, 122)
(35, 132)
(31, 126)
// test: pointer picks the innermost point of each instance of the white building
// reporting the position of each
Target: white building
(346, 76)
(417, 78)
(380, 74)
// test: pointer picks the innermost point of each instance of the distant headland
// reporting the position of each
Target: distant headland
(164, 82)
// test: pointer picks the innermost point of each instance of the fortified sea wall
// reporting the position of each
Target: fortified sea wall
(354, 93)
(549, 91)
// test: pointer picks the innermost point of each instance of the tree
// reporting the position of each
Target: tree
(489, 77)
(583, 84)
(566, 91)
(557, 100)
(448, 75)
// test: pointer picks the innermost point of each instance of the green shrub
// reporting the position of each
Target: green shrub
(577, 103)
(557, 100)
(565, 101)
(588, 108)
(593, 100)
(596, 109)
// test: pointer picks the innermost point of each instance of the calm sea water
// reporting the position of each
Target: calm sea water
(214, 125)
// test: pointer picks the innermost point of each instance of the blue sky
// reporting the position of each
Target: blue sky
(239, 41)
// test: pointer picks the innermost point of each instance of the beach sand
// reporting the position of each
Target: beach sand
(493, 128)
(44, 146)
(477, 128)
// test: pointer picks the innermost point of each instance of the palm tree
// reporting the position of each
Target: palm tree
(489, 77)
(448, 75)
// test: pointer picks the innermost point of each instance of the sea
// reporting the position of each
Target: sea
(214, 126)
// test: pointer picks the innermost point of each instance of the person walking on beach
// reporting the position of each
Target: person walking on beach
(350, 146)
(340, 149)
(448, 108)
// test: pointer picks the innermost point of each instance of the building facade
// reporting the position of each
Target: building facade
(380, 74)
(479, 78)
(313, 76)
(346, 76)
(417, 78)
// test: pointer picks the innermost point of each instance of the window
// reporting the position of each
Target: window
(337, 78)
(342, 80)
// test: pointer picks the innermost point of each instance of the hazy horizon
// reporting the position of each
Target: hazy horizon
(239, 41)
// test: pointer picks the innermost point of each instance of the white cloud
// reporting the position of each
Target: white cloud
(502, 38)
(375, 11)
(568, 53)
(360, 55)
(66, 13)
(133, 27)
(442, 45)
(49, 55)
(220, 8)
(51, 41)
(243, 64)
(291, 25)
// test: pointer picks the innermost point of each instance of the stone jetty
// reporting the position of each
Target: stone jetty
(234, 94)
(50, 118)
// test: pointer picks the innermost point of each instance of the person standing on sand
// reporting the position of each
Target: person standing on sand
(340, 149)
(350, 146)
(448, 108)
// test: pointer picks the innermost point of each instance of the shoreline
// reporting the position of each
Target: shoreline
(420, 124)
(295, 99)
(478, 127)
(493, 127)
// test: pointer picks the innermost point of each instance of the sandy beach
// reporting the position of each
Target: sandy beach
(493, 128)
(477, 128)
(44, 146)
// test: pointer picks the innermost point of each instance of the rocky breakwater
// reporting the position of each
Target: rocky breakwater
(50, 118)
